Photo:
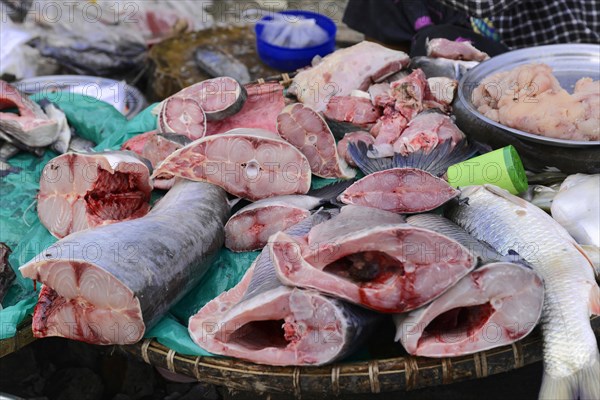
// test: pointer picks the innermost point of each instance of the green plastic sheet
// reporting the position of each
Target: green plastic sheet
(21, 229)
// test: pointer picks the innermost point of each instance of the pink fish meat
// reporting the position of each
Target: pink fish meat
(305, 128)
(260, 110)
(265, 322)
(184, 116)
(345, 70)
(409, 93)
(81, 191)
(248, 163)
(402, 190)
(426, 132)
(369, 257)
(219, 97)
(493, 306)
(444, 48)
(355, 112)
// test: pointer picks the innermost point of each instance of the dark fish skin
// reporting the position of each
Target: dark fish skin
(436, 67)
(536, 156)
(161, 255)
(216, 63)
(7, 275)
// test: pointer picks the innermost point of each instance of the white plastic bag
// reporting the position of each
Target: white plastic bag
(15, 56)
(293, 32)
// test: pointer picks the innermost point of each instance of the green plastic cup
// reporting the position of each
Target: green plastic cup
(502, 167)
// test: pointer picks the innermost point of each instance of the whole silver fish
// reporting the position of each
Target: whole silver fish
(506, 222)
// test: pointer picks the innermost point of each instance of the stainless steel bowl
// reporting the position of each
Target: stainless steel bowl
(570, 62)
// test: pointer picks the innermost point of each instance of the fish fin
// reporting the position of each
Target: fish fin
(583, 384)
(591, 252)
(437, 161)
(332, 191)
(359, 153)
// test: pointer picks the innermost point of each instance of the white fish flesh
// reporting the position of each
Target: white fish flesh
(506, 222)
(577, 208)
(265, 322)
(219, 97)
(371, 258)
(183, 116)
(248, 163)
(110, 284)
(81, 191)
(345, 70)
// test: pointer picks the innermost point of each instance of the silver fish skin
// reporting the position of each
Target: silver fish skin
(506, 222)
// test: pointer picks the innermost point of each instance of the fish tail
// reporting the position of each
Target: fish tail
(331, 191)
(583, 385)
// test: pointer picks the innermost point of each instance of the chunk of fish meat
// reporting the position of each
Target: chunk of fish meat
(387, 131)
(81, 191)
(260, 110)
(362, 256)
(350, 113)
(577, 208)
(506, 222)
(440, 93)
(529, 98)
(345, 70)
(220, 97)
(381, 94)
(353, 137)
(137, 143)
(409, 93)
(248, 163)
(444, 48)
(307, 130)
(184, 116)
(265, 322)
(30, 126)
(427, 131)
(495, 305)
(402, 190)
(109, 285)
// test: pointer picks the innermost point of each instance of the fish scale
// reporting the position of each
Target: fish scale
(571, 353)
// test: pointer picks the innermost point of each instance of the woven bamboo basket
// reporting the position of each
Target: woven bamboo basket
(22, 338)
(375, 376)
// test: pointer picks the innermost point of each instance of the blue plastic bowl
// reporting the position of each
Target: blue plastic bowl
(286, 59)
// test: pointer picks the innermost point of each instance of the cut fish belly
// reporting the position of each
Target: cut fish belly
(80, 191)
(137, 143)
(345, 70)
(402, 190)
(389, 267)
(157, 148)
(493, 306)
(260, 110)
(387, 131)
(262, 321)
(307, 130)
(248, 163)
(30, 126)
(110, 284)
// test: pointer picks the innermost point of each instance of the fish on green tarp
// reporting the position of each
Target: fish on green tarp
(124, 289)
